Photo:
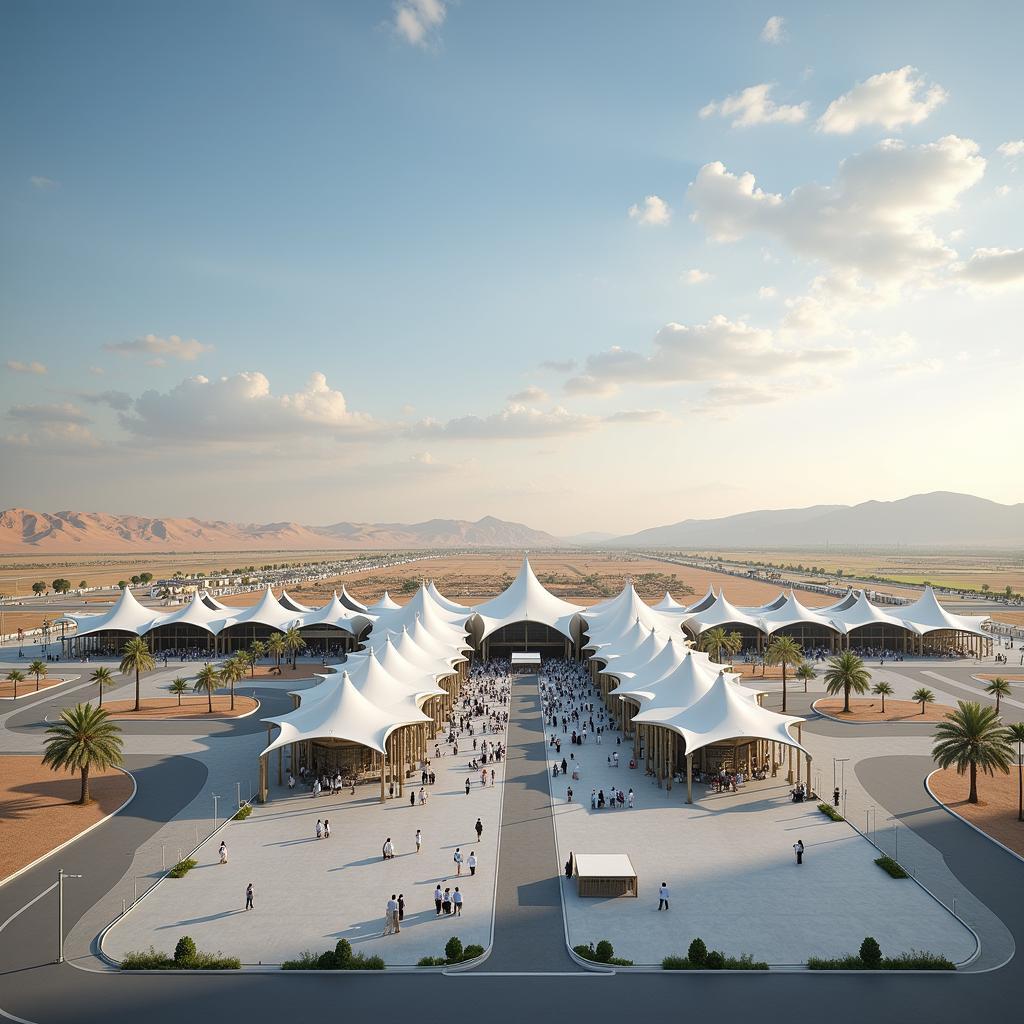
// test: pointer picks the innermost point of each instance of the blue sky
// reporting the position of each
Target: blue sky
(438, 207)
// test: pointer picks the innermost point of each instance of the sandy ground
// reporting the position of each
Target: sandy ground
(988, 676)
(996, 811)
(304, 670)
(863, 710)
(38, 811)
(191, 707)
(28, 685)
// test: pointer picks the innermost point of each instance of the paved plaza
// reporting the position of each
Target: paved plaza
(732, 873)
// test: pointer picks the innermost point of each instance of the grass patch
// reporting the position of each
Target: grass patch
(243, 812)
(182, 868)
(830, 812)
(892, 867)
(870, 959)
(186, 958)
(341, 958)
(602, 953)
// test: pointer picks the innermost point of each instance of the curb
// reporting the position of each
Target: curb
(45, 689)
(74, 839)
(847, 721)
(969, 824)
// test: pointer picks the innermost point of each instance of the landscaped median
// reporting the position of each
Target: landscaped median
(864, 711)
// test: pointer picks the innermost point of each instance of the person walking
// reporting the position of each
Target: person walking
(568, 794)
(388, 850)
(401, 907)
(327, 829)
(457, 857)
(471, 863)
(467, 786)
(479, 826)
(457, 902)
(663, 896)
(438, 897)
(798, 849)
(319, 829)
(419, 840)
(835, 797)
(223, 852)
(248, 897)
(390, 916)
(412, 797)
(446, 902)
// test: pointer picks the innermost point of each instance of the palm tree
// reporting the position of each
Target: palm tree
(846, 672)
(102, 677)
(257, 650)
(805, 672)
(784, 651)
(972, 737)
(178, 686)
(1017, 736)
(135, 657)
(997, 688)
(83, 739)
(883, 689)
(293, 643)
(206, 682)
(232, 671)
(276, 648)
(38, 669)
(719, 641)
(923, 696)
(14, 676)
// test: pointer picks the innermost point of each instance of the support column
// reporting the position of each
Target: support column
(689, 778)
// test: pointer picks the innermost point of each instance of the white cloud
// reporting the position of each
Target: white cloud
(559, 365)
(119, 400)
(242, 408)
(754, 105)
(653, 211)
(17, 366)
(829, 302)
(160, 349)
(97, 371)
(63, 413)
(529, 394)
(1002, 191)
(514, 421)
(1012, 149)
(766, 292)
(994, 269)
(638, 416)
(773, 31)
(53, 438)
(418, 21)
(875, 217)
(891, 100)
(719, 350)
(42, 183)
(696, 276)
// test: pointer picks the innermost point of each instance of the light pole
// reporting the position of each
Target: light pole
(238, 787)
(61, 875)
(215, 799)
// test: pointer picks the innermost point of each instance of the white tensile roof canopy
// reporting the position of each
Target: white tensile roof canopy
(526, 600)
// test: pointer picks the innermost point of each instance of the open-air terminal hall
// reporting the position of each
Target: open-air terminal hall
(376, 714)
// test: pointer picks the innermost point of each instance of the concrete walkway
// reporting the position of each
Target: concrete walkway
(528, 929)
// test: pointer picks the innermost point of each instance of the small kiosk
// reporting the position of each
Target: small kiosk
(607, 875)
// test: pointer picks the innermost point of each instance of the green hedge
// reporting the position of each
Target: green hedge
(700, 958)
(870, 959)
(182, 868)
(243, 812)
(341, 958)
(454, 953)
(603, 953)
(186, 958)
(831, 812)
(891, 866)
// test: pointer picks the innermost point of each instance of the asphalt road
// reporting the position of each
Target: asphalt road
(34, 989)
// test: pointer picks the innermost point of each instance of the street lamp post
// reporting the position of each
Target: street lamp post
(61, 875)
(215, 799)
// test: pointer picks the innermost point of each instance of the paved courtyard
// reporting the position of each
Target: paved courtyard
(309, 892)
(730, 866)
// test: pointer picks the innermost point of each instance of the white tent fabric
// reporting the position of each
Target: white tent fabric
(526, 600)
(334, 613)
(287, 601)
(705, 602)
(618, 618)
(720, 613)
(127, 616)
(722, 713)
(665, 662)
(628, 664)
(196, 613)
(615, 649)
(790, 612)
(680, 687)
(267, 612)
(351, 602)
(447, 603)
(926, 615)
(387, 691)
(856, 610)
(385, 604)
(669, 604)
(341, 713)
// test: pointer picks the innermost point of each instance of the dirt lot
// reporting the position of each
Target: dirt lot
(28, 685)
(38, 810)
(996, 811)
(163, 708)
(862, 710)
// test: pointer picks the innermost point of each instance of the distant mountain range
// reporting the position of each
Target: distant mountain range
(937, 520)
(940, 519)
(23, 531)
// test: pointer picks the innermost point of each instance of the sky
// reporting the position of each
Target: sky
(585, 265)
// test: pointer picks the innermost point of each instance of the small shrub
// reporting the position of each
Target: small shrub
(453, 949)
(841, 963)
(894, 868)
(697, 954)
(213, 962)
(617, 961)
(829, 811)
(243, 812)
(325, 961)
(472, 951)
(148, 960)
(431, 961)
(305, 961)
(182, 868)
(715, 960)
(371, 963)
(604, 952)
(871, 953)
(343, 953)
(916, 961)
(676, 963)
(185, 950)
